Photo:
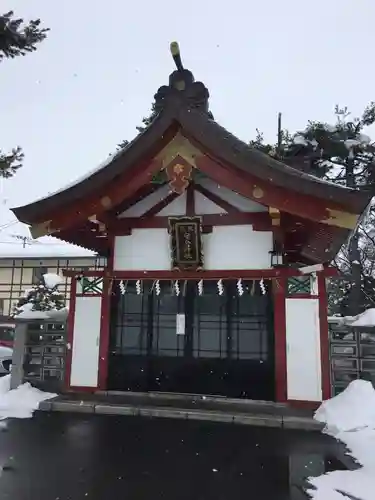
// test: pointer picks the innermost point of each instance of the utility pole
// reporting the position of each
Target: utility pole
(279, 136)
(354, 255)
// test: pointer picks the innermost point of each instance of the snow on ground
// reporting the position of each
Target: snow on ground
(338, 484)
(20, 402)
(348, 411)
(350, 418)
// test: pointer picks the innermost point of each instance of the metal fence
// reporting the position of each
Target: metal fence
(39, 355)
(352, 355)
(19, 275)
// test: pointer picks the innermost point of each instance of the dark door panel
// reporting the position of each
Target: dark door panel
(227, 348)
(128, 372)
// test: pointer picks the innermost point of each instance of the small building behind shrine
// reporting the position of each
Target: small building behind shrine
(217, 259)
(24, 260)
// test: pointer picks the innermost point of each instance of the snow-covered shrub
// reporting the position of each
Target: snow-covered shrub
(42, 297)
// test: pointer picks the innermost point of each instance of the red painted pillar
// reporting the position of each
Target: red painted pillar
(105, 316)
(70, 331)
(104, 333)
(279, 291)
(324, 337)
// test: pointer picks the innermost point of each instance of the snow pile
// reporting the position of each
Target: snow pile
(352, 409)
(27, 312)
(350, 418)
(20, 402)
(339, 484)
(361, 444)
(366, 318)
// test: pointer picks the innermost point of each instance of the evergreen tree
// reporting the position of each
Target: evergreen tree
(258, 143)
(346, 155)
(341, 153)
(43, 296)
(16, 39)
(146, 121)
(10, 162)
(122, 145)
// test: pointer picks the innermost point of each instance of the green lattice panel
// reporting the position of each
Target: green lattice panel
(300, 285)
(90, 286)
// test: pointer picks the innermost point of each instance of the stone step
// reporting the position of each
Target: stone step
(186, 401)
(255, 414)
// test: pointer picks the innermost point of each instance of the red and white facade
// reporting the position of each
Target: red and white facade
(258, 221)
(302, 373)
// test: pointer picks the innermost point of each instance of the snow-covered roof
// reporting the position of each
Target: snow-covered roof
(17, 243)
(83, 177)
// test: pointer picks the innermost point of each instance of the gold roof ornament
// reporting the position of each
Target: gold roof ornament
(175, 51)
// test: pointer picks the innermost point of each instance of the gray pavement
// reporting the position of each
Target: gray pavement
(61, 456)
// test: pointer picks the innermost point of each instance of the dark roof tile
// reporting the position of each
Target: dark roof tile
(189, 109)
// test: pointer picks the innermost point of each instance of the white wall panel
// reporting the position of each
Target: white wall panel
(144, 249)
(86, 340)
(227, 247)
(237, 247)
(304, 374)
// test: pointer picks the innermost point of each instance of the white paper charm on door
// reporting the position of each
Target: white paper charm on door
(180, 324)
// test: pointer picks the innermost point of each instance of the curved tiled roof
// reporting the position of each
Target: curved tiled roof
(188, 109)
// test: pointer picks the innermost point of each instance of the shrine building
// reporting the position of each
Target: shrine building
(216, 261)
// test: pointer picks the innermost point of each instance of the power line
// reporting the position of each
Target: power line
(8, 224)
(38, 244)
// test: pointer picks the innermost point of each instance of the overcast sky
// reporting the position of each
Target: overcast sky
(93, 79)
